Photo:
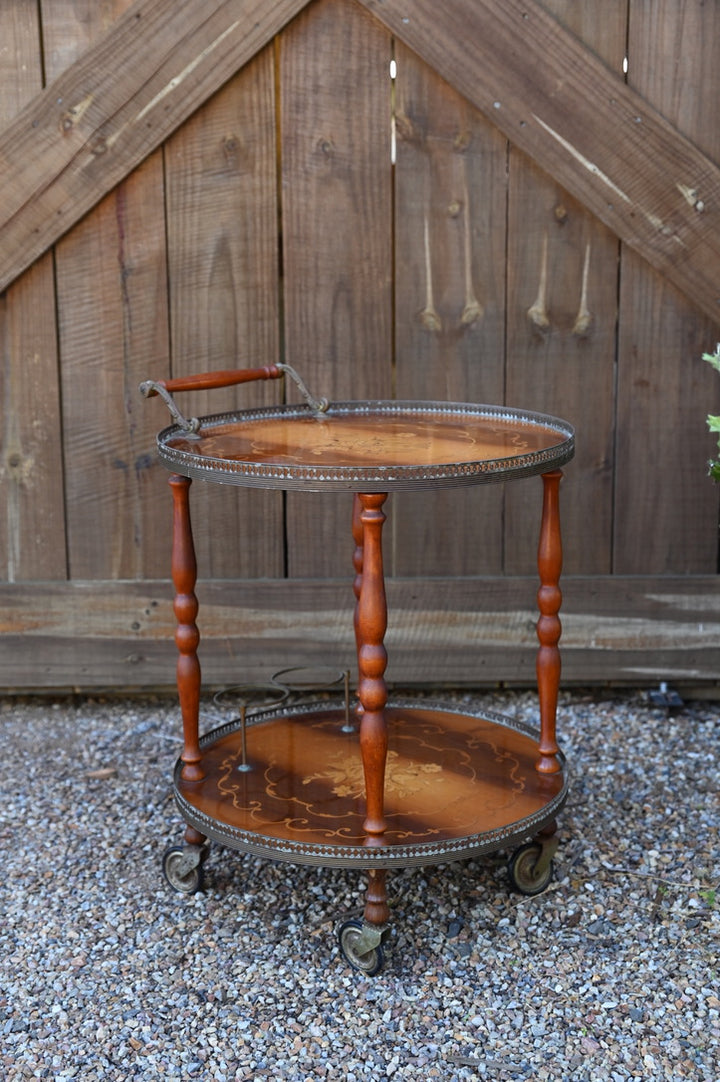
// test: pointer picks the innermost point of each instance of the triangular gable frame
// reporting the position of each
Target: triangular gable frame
(82, 135)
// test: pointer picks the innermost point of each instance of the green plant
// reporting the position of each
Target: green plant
(714, 422)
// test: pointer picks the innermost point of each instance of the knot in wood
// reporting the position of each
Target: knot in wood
(19, 467)
(232, 151)
(462, 141)
(406, 130)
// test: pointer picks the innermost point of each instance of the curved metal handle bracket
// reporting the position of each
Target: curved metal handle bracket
(317, 405)
(149, 387)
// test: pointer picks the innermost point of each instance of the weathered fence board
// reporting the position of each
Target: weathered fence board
(337, 236)
(660, 194)
(112, 291)
(221, 204)
(271, 224)
(666, 512)
(32, 538)
(450, 236)
(558, 102)
(85, 132)
(562, 266)
(111, 288)
(454, 631)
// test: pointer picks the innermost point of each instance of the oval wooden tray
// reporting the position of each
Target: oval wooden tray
(457, 784)
(369, 446)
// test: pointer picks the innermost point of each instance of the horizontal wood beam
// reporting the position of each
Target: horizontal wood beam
(559, 103)
(460, 631)
(83, 134)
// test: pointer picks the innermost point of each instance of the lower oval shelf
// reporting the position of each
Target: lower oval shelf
(457, 784)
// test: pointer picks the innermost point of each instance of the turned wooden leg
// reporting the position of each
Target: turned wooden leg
(548, 625)
(194, 837)
(372, 661)
(187, 636)
(357, 532)
(370, 625)
(377, 910)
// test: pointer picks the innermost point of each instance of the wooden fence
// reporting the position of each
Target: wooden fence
(528, 211)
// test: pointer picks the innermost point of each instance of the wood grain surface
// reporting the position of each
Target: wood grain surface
(636, 630)
(264, 191)
(666, 514)
(337, 234)
(221, 203)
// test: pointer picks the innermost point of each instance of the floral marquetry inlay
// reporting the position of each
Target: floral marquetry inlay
(344, 773)
(453, 783)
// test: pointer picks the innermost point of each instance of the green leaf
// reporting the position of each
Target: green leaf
(713, 358)
(714, 470)
(713, 423)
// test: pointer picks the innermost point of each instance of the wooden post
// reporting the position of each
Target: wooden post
(372, 661)
(548, 626)
(187, 636)
(377, 910)
(357, 532)
(370, 625)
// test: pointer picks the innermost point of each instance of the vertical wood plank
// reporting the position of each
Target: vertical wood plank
(666, 517)
(223, 267)
(112, 305)
(337, 237)
(32, 538)
(110, 273)
(450, 211)
(71, 26)
(562, 317)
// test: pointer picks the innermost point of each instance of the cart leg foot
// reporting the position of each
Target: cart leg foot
(377, 911)
(194, 837)
(362, 945)
(530, 867)
(361, 940)
(182, 866)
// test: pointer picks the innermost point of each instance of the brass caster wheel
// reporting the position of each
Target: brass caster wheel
(183, 868)
(530, 868)
(361, 946)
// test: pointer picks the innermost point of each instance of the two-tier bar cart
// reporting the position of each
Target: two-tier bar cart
(408, 783)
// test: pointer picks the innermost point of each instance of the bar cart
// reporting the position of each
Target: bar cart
(385, 785)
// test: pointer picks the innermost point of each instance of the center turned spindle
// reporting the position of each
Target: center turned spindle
(370, 627)
(372, 662)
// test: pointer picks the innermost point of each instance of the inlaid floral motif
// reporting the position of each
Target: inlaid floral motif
(402, 777)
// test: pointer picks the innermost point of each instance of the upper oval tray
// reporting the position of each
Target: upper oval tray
(369, 446)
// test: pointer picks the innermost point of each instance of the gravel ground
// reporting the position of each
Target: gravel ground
(107, 974)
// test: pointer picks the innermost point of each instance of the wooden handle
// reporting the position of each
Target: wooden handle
(209, 381)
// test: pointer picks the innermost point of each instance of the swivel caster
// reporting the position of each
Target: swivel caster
(530, 867)
(183, 867)
(361, 945)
